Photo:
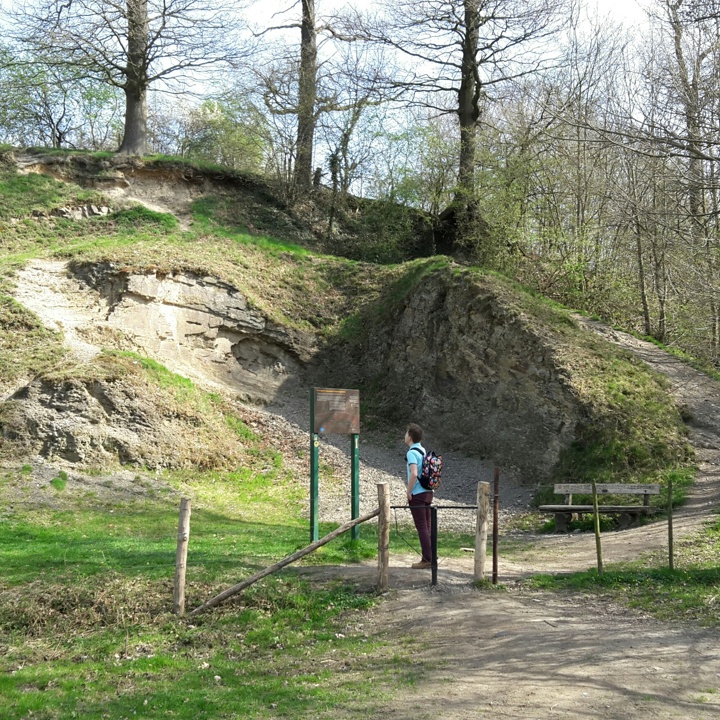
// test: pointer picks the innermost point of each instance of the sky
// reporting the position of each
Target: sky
(629, 11)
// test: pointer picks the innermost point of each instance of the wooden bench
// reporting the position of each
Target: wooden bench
(626, 513)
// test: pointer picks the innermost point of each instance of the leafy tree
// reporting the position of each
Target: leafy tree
(417, 165)
(226, 133)
(50, 105)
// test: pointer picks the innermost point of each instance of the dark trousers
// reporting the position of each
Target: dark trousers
(420, 509)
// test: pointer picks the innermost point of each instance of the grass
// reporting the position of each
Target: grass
(401, 281)
(41, 348)
(688, 593)
(21, 195)
(87, 628)
(59, 482)
(632, 431)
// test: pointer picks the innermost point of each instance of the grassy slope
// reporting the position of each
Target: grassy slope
(85, 588)
(633, 431)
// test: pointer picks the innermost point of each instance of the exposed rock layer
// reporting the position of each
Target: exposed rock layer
(203, 327)
(453, 356)
(474, 371)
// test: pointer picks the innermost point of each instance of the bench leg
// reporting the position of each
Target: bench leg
(625, 521)
(562, 521)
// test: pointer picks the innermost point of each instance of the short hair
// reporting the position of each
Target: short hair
(415, 432)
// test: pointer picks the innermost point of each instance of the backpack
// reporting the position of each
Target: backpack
(431, 471)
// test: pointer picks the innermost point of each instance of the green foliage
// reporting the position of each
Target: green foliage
(385, 232)
(140, 217)
(687, 593)
(227, 133)
(418, 167)
(55, 104)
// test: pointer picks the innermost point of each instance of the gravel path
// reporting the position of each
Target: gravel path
(382, 459)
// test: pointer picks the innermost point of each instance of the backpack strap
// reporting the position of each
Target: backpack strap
(422, 457)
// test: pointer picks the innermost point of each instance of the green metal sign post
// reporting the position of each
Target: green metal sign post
(334, 411)
(314, 486)
(355, 483)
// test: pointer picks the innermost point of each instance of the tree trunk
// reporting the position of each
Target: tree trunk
(136, 84)
(468, 116)
(307, 91)
(134, 140)
(468, 105)
(641, 273)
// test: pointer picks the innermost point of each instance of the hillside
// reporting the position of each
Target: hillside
(153, 347)
(489, 369)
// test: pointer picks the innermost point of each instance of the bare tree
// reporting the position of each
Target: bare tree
(290, 87)
(328, 87)
(684, 126)
(44, 104)
(458, 51)
(132, 44)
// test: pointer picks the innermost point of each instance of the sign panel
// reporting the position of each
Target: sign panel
(336, 411)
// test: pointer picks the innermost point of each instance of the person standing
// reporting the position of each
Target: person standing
(418, 497)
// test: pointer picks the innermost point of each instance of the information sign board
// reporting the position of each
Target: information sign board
(336, 411)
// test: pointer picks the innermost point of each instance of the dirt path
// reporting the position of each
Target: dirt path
(530, 655)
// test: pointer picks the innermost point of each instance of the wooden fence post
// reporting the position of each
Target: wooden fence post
(596, 523)
(481, 528)
(181, 557)
(496, 522)
(671, 552)
(383, 536)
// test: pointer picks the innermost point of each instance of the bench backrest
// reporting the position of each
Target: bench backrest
(607, 489)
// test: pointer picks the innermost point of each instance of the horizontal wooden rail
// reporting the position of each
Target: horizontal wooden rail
(285, 561)
(437, 507)
(607, 489)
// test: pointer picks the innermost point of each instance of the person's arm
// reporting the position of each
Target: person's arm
(412, 480)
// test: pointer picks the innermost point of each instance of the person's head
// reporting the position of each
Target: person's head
(413, 432)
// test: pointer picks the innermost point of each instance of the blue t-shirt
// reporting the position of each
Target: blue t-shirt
(414, 456)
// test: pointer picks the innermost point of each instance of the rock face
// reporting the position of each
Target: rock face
(474, 372)
(202, 326)
(99, 421)
(453, 356)
(198, 327)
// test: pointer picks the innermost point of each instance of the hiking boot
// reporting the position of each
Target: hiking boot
(422, 565)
